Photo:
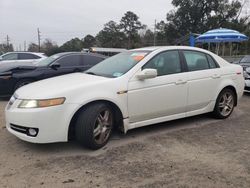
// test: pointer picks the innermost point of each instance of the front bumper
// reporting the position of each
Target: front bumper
(52, 122)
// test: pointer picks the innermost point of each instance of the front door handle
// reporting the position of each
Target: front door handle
(179, 82)
(215, 76)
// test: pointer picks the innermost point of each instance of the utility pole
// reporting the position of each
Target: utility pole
(24, 46)
(8, 40)
(155, 34)
(39, 39)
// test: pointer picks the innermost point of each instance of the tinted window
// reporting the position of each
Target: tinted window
(23, 56)
(91, 60)
(165, 63)
(245, 59)
(196, 60)
(211, 62)
(70, 60)
(12, 56)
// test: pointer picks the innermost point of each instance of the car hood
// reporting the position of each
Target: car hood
(59, 86)
(10, 66)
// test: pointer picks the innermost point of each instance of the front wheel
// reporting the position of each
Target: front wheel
(225, 104)
(94, 125)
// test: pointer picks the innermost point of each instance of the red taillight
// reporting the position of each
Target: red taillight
(238, 73)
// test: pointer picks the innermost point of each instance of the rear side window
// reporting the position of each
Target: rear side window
(24, 56)
(70, 61)
(196, 60)
(89, 60)
(211, 62)
(12, 56)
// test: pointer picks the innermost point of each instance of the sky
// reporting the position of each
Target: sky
(62, 20)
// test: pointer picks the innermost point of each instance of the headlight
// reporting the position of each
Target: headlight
(41, 103)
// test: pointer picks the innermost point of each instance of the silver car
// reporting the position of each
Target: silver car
(21, 57)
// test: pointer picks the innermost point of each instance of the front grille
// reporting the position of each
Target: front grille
(19, 128)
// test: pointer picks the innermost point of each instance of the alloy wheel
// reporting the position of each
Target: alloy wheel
(103, 126)
(226, 104)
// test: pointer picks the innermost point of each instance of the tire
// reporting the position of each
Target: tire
(94, 126)
(22, 83)
(225, 104)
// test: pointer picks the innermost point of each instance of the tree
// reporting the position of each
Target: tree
(89, 41)
(6, 48)
(131, 25)
(73, 45)
(199, 16)
(33, 47)
(49, 47)
(111, 36)
(147, 38)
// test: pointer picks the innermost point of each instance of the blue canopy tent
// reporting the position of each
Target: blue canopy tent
(221, 35)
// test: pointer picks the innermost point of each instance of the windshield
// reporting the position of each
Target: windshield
(47, 61)
(118, 65)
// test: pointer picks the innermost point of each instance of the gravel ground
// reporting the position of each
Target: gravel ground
(193, 152)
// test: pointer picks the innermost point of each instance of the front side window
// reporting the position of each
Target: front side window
(70, 60)
(24, 56)
(165, 63)
(196, 60)
(12, 56)
(118, 65)
(91, 60)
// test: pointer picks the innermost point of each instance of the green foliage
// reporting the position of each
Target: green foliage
(111, 36)
(88, 41)
(196, 16)
(131, 26)
(188, 16)
(73, 45)
(6, 48)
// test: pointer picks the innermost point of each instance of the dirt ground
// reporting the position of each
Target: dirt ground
(194, 152)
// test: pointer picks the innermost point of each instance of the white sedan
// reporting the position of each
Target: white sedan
(133, 89)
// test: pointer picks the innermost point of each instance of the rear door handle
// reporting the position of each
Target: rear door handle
(179, 82)
(215, 76)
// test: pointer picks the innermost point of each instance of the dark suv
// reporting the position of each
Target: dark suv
(13, 76)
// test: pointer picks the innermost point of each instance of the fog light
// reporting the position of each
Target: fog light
(32, 132)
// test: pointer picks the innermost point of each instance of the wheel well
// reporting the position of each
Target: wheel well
(114, 107)
(235, 93)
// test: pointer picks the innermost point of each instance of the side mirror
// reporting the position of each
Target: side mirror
(147, 74)
(55, 66)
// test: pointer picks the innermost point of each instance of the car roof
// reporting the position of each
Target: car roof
(20, 52)
(80, 53)
(154, 48)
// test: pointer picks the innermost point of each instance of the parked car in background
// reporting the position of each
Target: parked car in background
(14, 76)
(244, 62)
(132, 89)
(21, 57)
(247, 79)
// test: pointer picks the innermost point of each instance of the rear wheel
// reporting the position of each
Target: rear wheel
(225, 104)
(94, 125)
